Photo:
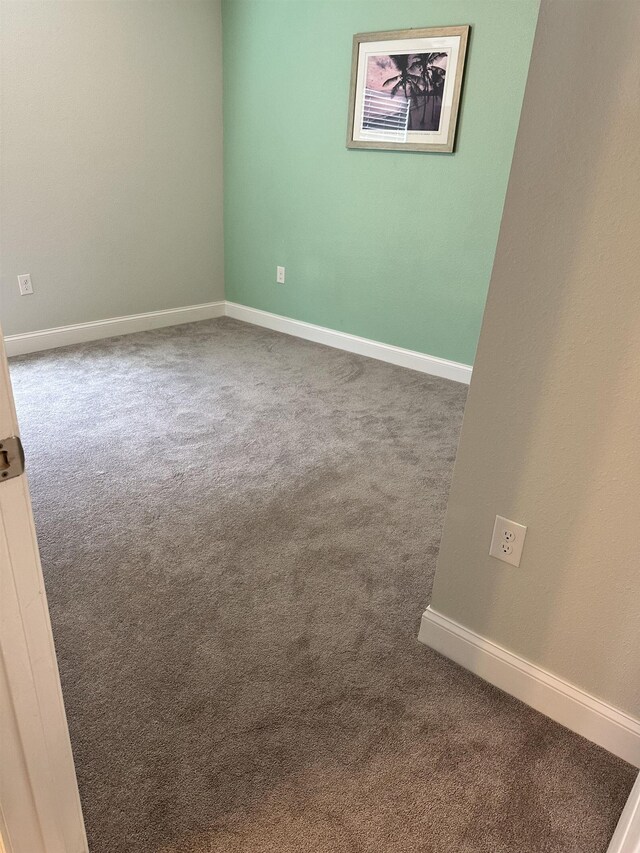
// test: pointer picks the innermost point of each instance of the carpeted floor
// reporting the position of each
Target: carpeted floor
(239, 532)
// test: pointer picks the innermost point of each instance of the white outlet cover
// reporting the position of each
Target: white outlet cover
(507, 541)
(280, 275)
(24, 283)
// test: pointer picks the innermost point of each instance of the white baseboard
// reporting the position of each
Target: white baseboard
(80, 332)
(352, 343)
(563, 702)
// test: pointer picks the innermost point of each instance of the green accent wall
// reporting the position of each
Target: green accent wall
(393, 246)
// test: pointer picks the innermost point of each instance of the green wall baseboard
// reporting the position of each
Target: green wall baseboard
(422, 362)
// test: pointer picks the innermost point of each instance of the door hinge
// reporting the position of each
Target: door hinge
(11, 458)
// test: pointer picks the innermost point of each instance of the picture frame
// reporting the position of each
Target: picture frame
(405, 89)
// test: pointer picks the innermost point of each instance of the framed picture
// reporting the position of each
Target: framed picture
(405, 89)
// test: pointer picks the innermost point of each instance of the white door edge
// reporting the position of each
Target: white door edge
(39, 799)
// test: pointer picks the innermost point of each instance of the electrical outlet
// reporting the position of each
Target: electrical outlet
(507, 541)
(280, 275)
(24, 283)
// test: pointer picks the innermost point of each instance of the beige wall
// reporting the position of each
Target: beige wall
(111, 190)
(551, 435)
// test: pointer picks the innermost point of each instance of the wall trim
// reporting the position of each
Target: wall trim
(352, 343)
(565, 703)
(80, 332)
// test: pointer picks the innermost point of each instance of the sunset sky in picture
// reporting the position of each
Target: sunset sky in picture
(380, 68)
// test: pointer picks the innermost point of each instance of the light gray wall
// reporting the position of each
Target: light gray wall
(551, 434)
(111, 188)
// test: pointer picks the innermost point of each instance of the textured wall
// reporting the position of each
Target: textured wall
(111, 184)
(397, 247)
(550, 436)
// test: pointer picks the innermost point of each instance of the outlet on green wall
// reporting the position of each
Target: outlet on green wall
(393, 246)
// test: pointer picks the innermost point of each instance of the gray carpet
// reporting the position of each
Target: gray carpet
(239, 532)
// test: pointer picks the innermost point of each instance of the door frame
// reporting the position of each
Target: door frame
(626, 838)
(40, 809)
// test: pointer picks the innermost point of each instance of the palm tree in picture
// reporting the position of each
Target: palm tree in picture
(409, 83)
(431, 81)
